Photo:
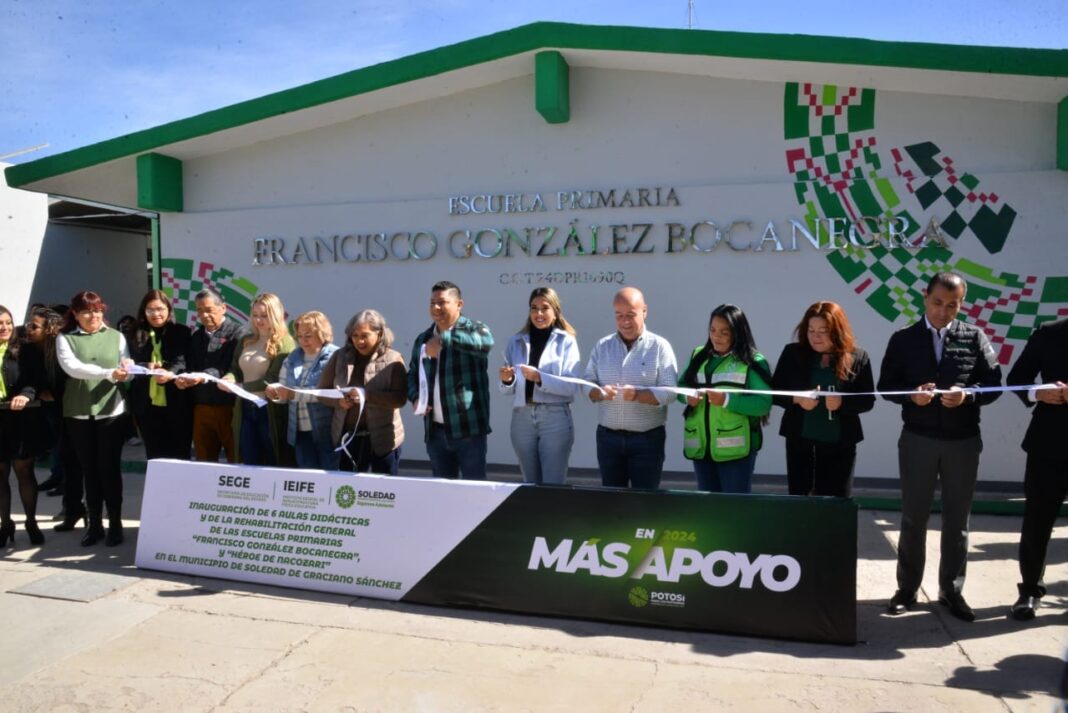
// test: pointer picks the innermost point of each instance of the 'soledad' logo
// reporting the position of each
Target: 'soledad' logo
(345, 497)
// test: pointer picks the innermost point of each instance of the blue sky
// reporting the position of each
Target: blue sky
(76, 72)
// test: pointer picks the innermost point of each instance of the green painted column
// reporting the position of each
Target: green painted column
(159, 183)
(1062, 135)
(552, 87)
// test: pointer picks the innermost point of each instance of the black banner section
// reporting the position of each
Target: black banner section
(773, 566)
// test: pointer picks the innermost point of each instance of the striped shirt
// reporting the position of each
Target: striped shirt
(649, 362)
(300, 381)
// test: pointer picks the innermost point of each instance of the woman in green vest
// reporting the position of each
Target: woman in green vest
(723, 430)
(94, 411)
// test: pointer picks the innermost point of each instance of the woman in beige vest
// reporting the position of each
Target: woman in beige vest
(370, 429)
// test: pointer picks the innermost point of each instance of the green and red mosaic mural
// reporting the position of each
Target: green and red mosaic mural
(182, 279)
(834, 156)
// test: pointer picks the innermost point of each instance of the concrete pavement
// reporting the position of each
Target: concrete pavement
(84, 630)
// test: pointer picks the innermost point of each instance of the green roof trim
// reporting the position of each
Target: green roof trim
(159, 182)
(561, 36)
(552, 87)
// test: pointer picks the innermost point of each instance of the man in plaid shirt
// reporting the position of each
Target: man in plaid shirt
(457, 386)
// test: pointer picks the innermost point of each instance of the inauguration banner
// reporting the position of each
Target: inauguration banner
(773, 566)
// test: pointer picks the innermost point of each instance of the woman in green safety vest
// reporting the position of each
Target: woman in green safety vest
(722, 430)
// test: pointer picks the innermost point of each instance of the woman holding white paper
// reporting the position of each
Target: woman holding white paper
(163, 412)
(261, 431)
(94, 411)
(542, 428)
(308, 424)
(368, 427)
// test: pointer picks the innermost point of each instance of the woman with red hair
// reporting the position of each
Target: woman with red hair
(822, 433)
(94, 355)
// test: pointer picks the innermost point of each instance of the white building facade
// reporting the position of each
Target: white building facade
(702, 167)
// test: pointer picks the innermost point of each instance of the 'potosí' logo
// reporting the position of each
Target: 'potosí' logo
(777, 573)
(345, 496)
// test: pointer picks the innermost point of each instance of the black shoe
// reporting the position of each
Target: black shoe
(7, 532)
(957, 606)
(1024, 608)
(901, 602)
(70, 521)
(115, 536)
(93, 534)
(58, 490)
(49, 483)
(34, 533)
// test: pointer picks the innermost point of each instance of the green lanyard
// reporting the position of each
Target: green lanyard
(157, 394)
(3, 386)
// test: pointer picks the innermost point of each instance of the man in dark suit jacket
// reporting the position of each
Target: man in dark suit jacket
(1046, 472)
(211, 351)
(940, 441)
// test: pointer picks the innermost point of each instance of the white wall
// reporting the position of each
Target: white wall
(111, 263)
(719, 143)
(23, 217)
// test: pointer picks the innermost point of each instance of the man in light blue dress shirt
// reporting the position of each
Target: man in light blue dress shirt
(631, 417)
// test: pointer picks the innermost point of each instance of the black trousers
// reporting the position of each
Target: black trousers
(1045, 487)
(97, 443)
(924, 464)
(815, 468)
(71, 469)
(167, 431)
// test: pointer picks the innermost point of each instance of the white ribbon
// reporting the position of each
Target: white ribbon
(230, 386)
(347, 438)
(813, 394)
(424, 389)
(338, 393)
(138, 370)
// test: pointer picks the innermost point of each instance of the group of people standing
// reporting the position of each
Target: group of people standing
(727, 390)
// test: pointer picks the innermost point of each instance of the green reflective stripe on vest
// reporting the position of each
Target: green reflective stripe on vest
(90, 397)
(715, 431)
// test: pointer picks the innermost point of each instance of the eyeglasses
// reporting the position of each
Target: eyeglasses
(89, 311)
(34, 327)
(156, 310)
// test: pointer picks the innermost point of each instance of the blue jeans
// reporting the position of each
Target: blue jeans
(449, 457)
(734, 476)
(254, 440)
(542, 436)
(630, 458)
(314, 455)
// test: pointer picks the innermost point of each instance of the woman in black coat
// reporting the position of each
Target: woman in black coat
(24, 432)
(163, 412)
(822, 433)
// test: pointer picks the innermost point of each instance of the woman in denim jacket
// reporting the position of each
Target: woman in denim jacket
(308, 423)
(542, 429)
